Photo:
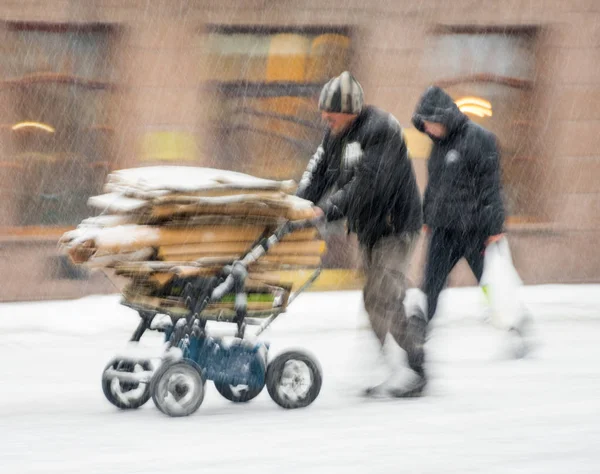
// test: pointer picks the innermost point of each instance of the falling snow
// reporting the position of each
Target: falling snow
(94, 87)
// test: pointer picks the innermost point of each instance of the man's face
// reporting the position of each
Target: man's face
(434, 129)
(338, 122)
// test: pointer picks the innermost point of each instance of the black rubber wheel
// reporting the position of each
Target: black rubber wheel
(293, 380)
(178, 388)
(126, 395)
(157, 375)
(239, 393)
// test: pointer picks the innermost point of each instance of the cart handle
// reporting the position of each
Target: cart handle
(238, 271)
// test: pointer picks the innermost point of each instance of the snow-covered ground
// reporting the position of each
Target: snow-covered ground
(482, 413)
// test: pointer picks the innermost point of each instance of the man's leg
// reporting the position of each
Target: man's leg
(443, 253)
(389, 265)
(366, 356)
(390, 259)
(396, 258)
(373, 292)
(409, 331)
(475, 253)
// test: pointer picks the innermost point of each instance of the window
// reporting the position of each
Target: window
(57, 84)
(492, 70)
(263, 87)
(261, 91)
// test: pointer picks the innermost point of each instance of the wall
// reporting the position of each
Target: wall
(158, 62)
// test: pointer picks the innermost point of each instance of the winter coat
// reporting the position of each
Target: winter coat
(370, 175)
(464, 189)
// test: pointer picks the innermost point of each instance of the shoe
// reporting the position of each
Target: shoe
(376, 391)
(520, 337)
(413, 389)
(518, 347)
(395, 378)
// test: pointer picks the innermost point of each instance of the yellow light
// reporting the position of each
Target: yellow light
(475, 106)
(474, 101)
(41, 126)
(475, 110)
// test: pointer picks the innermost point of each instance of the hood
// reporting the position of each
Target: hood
(435, 105)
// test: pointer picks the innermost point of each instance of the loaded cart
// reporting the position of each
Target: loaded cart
(239, 369)
(187, 246)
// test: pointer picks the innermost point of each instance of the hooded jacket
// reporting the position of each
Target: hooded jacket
(464, 190)
(370, 175)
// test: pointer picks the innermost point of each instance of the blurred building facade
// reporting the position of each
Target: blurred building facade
(97, 85)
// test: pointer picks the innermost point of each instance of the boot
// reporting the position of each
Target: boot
(413, 389)
(416, 333)
(414, 343)
(391, 359)
(521, 337)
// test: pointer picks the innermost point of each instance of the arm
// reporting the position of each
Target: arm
(312, 185)
(337, 205)
(426, 205)
(370, 183)
(432, 187)
(489, 186)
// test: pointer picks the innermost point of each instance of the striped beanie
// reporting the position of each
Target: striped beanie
(342, 94)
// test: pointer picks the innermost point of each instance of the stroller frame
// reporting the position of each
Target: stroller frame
(204, 357)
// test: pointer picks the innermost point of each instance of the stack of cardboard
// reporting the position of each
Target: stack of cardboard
(159, 225)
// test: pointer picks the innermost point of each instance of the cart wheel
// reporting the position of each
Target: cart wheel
(293, 380)
(122, 394)
(237, 393)
(178, 388)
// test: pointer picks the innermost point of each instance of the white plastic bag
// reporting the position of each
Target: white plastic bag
(501, 284)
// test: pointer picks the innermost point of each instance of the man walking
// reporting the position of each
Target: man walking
(361, 171)
(462, 205)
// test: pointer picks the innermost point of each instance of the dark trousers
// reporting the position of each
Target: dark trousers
(446, 248)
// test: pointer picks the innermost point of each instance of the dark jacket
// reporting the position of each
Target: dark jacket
(464, 189)
(371, 176)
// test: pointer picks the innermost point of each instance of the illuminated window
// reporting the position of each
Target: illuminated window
(57, 82)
